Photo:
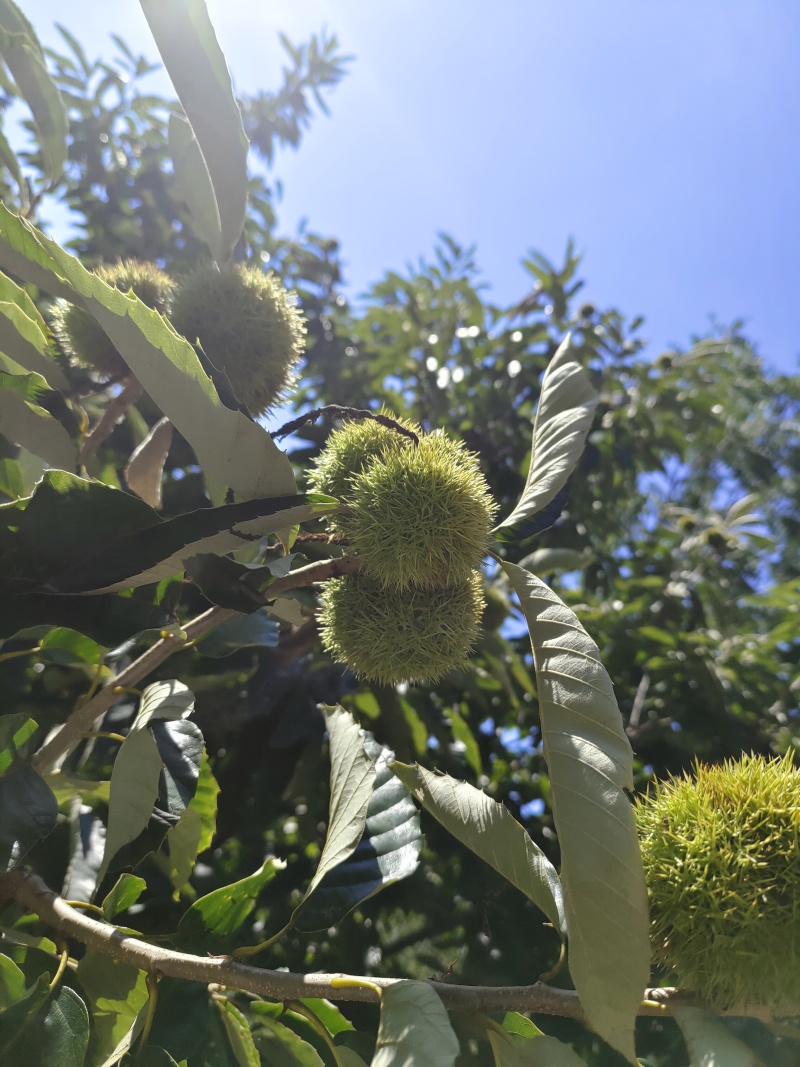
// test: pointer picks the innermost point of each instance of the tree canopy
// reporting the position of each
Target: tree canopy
(223, 788)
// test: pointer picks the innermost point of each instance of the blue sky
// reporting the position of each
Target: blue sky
(662, 136)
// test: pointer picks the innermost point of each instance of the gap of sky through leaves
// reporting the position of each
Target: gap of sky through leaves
(661, 136)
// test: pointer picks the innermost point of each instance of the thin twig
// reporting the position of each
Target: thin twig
(83, 718)
(30, 891)
(639, 699)
(346, 413)
(116, 408)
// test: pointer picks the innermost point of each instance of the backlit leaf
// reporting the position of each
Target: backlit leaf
(27, 423)
(212, 921)
(145, 467)
(542, 1051)
(710, 1042)
(126, 891)
(563, 418)
(241, 1039)
(590, 766)
(492, 832)
(22, 53)
(232, 450)
(194, 184)
(23, 334)
(387, 851)
(195, 63)
(282, 1047)
(134, 788)
(414, 1029)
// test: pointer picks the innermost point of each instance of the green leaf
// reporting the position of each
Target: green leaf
(464, 736)
(349, 1058)
(352, 779)
(195, 63)
(241, 1039)
(194, 184)
(520, 1025)
(27, 423)
(126, 891)
(542, 1051)
(211, 922)
(113, 1019)
(710, 1042)
(329, 1015)
(15, 731)
(153, 1056)
(590, 766)
(134, 789)
(8, 158)
(281, 1047)
(195, 829)
(563, 419)
(65, 646)
(232, 450)
(23, 54)
(230, 584)
(12, 483)
(387, 851)
(43, 538)
(180, 746)
(12, 983)
(414, 1028)
(17, 1020)
(65, 1029)
(184, 1019)
(491, 832)
(45, 1028)
(159, 552)
(544, 560)
(154, 763)
(28, 812)
(164, 701)
(88, 836)
(23, 334)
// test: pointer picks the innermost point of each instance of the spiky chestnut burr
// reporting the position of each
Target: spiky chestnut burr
(721, 853)
(247, 324)
(82, 337)
(413, 513)
(348, 451)
(392, 636)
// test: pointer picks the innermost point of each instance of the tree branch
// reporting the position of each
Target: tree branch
(114, 411)
(30, 891)
(83, 718)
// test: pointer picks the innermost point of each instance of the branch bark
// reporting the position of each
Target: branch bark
(114, 411)
(83, 718)
(30, 891)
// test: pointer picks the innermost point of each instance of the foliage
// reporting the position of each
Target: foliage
(155, 535)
